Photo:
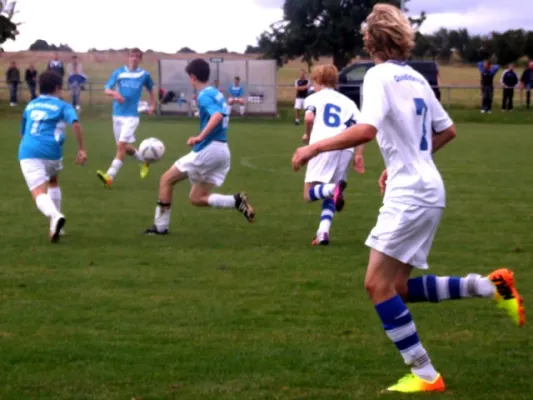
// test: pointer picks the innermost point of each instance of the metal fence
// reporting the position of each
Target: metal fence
(459, 96)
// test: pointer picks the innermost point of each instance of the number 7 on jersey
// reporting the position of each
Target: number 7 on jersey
(422, 110)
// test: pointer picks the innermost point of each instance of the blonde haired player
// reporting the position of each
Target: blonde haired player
(401, 111)
(328, 113)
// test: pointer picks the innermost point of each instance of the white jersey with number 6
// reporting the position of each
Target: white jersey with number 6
(333, 111)
(399, 102)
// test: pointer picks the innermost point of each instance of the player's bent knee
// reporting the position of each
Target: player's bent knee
(38, 190)
(379, 289)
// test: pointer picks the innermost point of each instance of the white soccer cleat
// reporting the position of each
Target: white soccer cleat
(56, 227)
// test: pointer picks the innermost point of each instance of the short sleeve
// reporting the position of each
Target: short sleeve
(23, 123)
(210, 105)
(375, 101)
(112, 82)
(310, 104)
(69, 114)
(440, 120)
(148, 82)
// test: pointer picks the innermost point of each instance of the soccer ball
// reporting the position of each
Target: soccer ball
(152, 150)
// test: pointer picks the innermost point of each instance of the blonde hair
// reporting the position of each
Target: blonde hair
(326, 75)
(388, 34)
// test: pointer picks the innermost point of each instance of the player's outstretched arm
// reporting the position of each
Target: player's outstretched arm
(354, 136)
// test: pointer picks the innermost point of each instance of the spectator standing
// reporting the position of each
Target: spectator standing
(13, 80)
(30, 77)
(76, 81)
(56, 65)
(509, 80)
(526, 82)
(75, 66)
(488, 71)
(302, 87)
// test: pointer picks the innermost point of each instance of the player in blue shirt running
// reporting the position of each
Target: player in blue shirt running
(208, 164)
(125, 86)
(236, 95)
(41, 148)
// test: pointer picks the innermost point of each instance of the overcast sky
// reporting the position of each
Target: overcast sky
(168, 25)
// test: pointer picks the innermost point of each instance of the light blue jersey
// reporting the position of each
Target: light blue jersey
(236, 91)
(43, 128)
(130, 85)
(210, 102)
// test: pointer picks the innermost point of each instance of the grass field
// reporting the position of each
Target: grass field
(99, 66)
(221, 309)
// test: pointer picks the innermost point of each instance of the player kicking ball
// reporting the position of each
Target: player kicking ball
(328, 113)
(401, 110)
(41, 148)
(208, 164)
(125, 86)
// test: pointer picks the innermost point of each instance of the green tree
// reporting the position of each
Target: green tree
(314, 28)
(528, 45)
(8, 28)
(509, 46)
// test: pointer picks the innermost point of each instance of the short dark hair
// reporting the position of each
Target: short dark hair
(237, 78)
(136, 50)
(49, 82)
(199, 68)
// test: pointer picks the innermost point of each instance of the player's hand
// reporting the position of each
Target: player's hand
(359, 164)
(301, 156)
(119, 98)
(305, 138)
(192, 141)
(81, 157)
(383, 181)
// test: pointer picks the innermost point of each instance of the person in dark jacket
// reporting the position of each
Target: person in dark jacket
(30, 77)
(488, 71)
(56, 65)
(526, 82)
(13, 80)
(509, 80)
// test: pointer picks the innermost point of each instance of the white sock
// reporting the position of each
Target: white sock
(55, 195)
(485, 287)
(241, 108)
(138, 156)
(46, 206)
(418, 358)
(114, 168)
(221, 200)
(162, 218)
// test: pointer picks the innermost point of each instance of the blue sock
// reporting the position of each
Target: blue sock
(326, 216)
(400, 328)
(438, 288)
(321, 192)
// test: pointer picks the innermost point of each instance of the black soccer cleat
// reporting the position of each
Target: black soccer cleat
(338, 195)
(154, 232)
(244, 207)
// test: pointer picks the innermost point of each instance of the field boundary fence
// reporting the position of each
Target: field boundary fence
(467, 96)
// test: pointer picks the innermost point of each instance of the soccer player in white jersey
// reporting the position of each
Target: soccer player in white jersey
(125, 86)
(41, 148)
(208, 163)
(401, 111)
(328, 113)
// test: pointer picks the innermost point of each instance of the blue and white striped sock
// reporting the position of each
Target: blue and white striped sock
(401, 329)
(321, 192)
(438, 288)
(326, 217)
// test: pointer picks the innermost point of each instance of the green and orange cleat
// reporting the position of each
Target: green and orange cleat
(145, 170)
(106, 179)
(412, 383)
(507, 297)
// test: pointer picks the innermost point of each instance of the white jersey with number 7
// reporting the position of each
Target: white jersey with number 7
(399, 102)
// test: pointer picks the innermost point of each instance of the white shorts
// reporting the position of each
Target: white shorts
(299, 103)
(235, 100)
(405, 232)
(124, 129)
(209, 165)
(37, 171)
(329, 167)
